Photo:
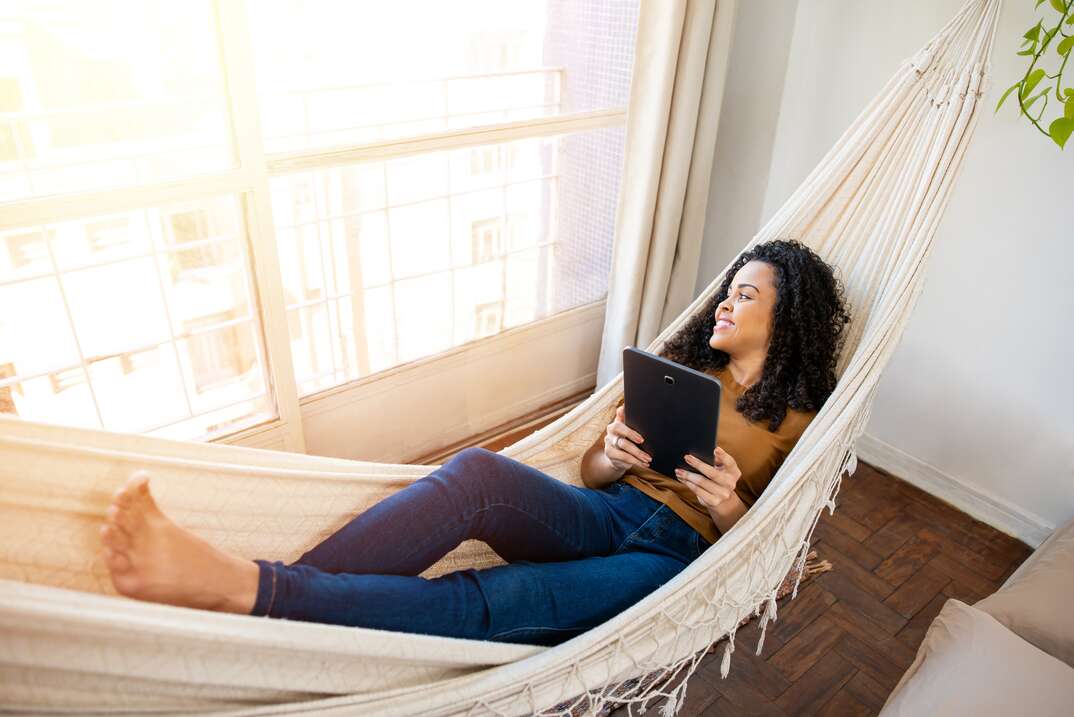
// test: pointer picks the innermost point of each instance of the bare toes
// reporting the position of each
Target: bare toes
(121, 518)
(114, 538)
(117, 562)
(138, 482)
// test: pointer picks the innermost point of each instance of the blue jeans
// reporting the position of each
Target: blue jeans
(576, 557)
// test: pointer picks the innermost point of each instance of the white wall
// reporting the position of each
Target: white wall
(748, 115)
(977, 404)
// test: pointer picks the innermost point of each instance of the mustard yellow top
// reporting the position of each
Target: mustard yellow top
(758, 453)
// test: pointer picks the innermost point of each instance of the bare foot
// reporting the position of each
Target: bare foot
(152, 558)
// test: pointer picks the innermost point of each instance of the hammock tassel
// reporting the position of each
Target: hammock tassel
(760, 640)
(770, 610)
(725, 663)
(852, 463)
(799, 566)
(671, 707)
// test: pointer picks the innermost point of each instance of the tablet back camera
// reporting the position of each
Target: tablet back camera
(670, 380)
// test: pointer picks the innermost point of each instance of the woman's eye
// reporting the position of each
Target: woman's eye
(743, 296)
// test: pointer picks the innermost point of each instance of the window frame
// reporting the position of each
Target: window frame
(249, 181)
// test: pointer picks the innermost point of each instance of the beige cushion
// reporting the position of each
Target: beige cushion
(969, 664)
(1037, 602)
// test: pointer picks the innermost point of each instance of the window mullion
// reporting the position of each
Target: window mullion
(237, 60)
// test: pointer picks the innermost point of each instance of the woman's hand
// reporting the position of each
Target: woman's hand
(713, 485)
(621, 444)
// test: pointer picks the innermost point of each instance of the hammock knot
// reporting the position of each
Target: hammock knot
(922, 60)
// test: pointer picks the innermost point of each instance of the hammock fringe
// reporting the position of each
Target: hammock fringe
(870, 207)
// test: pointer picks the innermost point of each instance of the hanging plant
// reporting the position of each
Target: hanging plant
(1036, 42)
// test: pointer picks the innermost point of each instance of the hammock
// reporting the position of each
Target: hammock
(871, 207)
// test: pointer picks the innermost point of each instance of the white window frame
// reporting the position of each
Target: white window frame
(249, 180)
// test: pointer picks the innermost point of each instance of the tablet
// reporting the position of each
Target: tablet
(675, 408)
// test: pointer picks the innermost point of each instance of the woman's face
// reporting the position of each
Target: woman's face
(744, 318)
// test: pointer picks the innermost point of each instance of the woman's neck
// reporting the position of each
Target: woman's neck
(746, 370)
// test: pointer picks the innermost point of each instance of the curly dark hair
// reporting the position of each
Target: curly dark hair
(807, 334)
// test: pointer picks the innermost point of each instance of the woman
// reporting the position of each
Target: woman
(576, 556)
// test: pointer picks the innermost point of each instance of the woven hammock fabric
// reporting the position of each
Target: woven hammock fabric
(871, 207)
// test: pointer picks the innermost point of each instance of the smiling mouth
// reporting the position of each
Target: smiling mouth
(722, 324)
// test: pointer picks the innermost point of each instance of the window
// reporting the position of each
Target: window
(63, 380)
(487, 239)
(488, 318)
(486, 160)
(107, 235)
(26, 250)
(346, 192)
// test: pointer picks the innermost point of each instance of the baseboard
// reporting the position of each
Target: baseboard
(997, 512)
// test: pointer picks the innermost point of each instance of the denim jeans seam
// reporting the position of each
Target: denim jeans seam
(513, 630)
(639, 528)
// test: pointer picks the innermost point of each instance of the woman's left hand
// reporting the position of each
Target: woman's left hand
(711, 484)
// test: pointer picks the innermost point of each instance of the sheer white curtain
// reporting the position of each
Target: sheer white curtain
(679, 70)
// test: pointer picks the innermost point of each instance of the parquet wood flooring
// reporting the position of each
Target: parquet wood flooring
(840, 647)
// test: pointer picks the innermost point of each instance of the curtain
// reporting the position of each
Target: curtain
(680, 65)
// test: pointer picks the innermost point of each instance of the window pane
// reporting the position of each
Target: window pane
(311, 346)
(124, 383)
(423, 316)
(350, 72)
(419, 238)
(145, 317)
(62, 399)
(23, 254)
(497, 251)
(35, 333)
(222, 366)
(108, 93)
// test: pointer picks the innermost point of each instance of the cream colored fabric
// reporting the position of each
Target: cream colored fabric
(680, 63)
(969, 664)
(1037, 602)
(871, 207)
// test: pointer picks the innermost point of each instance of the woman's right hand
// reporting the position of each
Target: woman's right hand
(621, 444)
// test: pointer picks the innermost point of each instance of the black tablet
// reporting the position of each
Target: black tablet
(675, 408)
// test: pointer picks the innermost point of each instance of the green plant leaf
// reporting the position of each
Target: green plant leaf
(1030, 82)
(1009, 91)
(1039, 3)
(1068, 109)
(1064, 47)
(1029, 103)
(1069, 92)
(1059, 5)
(1060, 130)
(1032, 33)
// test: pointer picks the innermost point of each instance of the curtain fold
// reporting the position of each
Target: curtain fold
(680, 65)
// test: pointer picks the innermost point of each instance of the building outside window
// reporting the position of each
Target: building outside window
(148, 305)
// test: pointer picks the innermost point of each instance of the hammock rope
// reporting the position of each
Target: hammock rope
(871, 207)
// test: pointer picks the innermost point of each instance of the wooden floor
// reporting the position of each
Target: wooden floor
(839, 648)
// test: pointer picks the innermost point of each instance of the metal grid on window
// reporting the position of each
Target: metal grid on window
(477, 244)
(76, 263)
(534, 251)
